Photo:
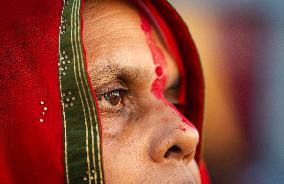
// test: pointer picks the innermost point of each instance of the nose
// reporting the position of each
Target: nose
(174, 140)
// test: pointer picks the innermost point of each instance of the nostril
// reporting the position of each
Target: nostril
(174, 150)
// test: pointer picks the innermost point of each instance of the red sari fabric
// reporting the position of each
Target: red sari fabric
(31, 132)
(31, 151)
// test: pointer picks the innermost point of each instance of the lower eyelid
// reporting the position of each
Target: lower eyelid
(128, 106)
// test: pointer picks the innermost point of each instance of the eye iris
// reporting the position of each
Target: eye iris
(114, 98)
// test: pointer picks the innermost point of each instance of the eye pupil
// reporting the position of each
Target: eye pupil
(114, 98)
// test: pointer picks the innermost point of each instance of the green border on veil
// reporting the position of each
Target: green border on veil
(82, 148)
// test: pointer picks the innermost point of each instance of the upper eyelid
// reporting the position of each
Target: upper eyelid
(107, 91)
(109, 87)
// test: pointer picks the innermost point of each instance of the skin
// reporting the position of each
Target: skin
(145, 139)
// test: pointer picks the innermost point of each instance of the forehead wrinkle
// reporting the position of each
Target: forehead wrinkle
(104, 16)
(104, 28)
(113, 22)
(95, 8)
(101, 34)
(113, 45)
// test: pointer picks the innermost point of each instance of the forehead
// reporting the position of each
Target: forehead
(113, 34)
(112, 26)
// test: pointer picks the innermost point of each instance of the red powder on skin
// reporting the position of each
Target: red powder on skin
(160, 62)
(178, 113)
(158, 56)
(182, 128)
(158, 87)
(159, 71)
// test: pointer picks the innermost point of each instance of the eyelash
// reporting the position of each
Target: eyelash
(106, 96)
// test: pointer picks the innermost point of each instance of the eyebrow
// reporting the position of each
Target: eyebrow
(108, 70)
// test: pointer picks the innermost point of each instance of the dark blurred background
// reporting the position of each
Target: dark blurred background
(241, 45)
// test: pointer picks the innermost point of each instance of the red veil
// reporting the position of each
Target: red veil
(38, 105)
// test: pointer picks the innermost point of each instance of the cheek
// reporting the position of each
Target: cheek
(112, 127)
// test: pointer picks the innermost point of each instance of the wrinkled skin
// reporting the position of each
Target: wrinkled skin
(145, 140)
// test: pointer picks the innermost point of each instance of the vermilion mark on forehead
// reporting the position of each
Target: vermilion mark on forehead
(159, 71)
(158, 58)
(160, 62)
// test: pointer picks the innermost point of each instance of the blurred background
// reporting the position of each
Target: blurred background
(241, 45)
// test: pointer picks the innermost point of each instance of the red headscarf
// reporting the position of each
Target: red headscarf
(36, 101)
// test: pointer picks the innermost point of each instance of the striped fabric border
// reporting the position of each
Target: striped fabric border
(82, 148)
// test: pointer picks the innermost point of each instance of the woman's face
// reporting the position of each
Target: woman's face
(145, 139)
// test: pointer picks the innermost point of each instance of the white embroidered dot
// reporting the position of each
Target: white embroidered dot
(41, 102)
(45, 108)
(41, 120)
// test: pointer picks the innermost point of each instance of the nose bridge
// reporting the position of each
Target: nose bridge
(177, 138)
(174, 113)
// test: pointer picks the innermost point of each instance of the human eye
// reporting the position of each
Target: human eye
(112, 100)
(172, 95)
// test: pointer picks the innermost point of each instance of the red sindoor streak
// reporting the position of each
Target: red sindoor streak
(160, 62)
